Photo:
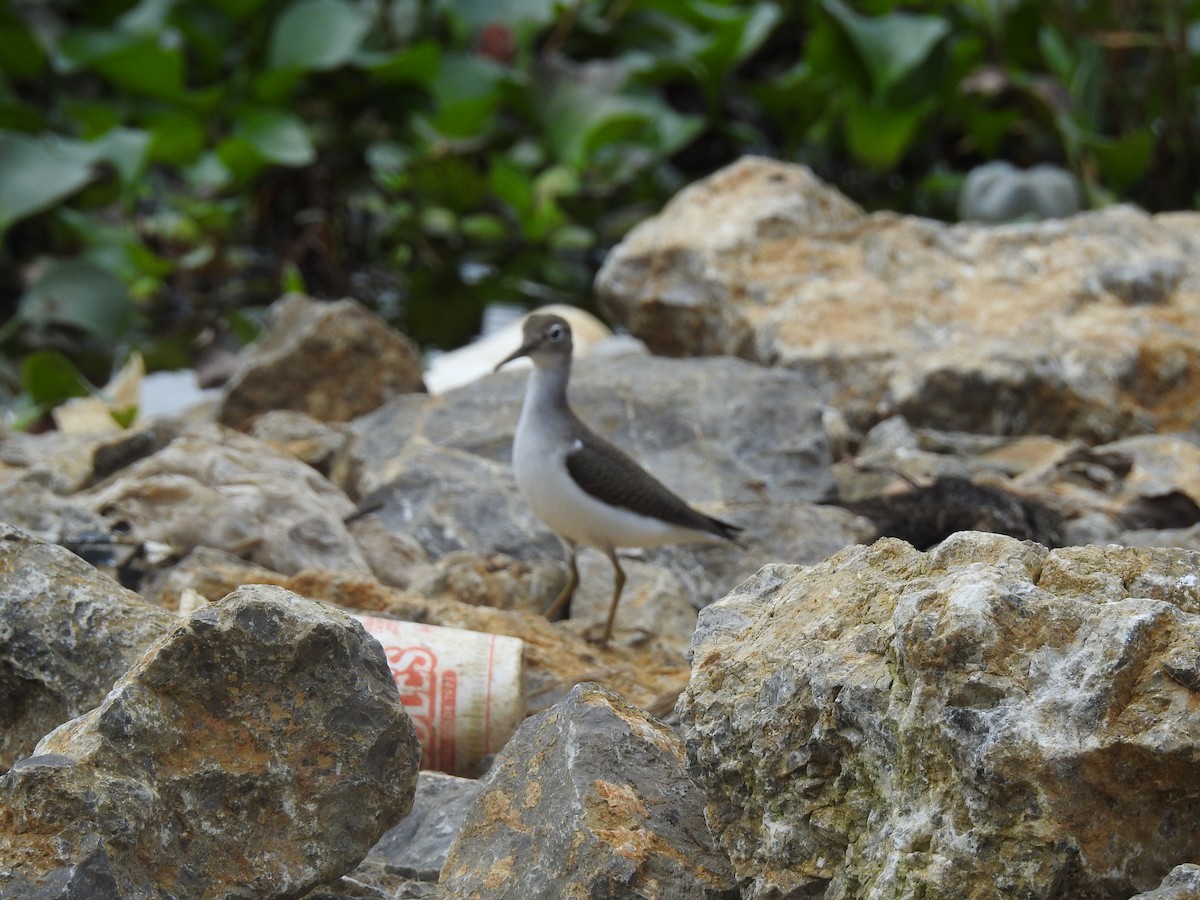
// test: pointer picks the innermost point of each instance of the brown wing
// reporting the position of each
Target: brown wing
(612, 477)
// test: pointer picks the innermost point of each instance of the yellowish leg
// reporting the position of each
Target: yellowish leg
(563, 600)
(618, 586)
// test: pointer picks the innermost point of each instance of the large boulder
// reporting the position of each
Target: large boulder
(1083, 327)
(986, 719)
(258, 749)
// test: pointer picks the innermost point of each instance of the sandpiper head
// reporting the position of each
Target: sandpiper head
(546, 340)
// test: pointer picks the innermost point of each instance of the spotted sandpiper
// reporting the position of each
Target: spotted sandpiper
(585, 489)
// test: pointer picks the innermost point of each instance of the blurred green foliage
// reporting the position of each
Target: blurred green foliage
(164, 163)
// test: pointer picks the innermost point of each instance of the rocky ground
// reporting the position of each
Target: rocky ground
(957, 655)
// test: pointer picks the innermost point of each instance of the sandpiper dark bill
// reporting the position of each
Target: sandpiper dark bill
(586, 490)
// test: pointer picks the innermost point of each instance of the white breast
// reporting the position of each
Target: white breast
(539, 462)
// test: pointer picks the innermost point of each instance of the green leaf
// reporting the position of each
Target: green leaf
(438, 221)
(480, 13)
(988, 127)
(734, 36)
(22, 414)
(91, 118)
(572, 238)
(126, 149)
(81, 294)
(209, 173)
(387, 157)
(176, 137)
(80, 48)
(239, 158)
(1055, 52)
(580, 120)
(148, 17)
(831, 61)
(279, 136)
(21, 56)
(36, 174)
(892, 46)
(277, 85)
(1122, 161)
(317, 35)
(512, 185)
(292, 279)
(879, 136)
(146, 68)
(466, 91)
(484, 228)
(20, 117)
(49, 378)
(237, 9)
(124, 416)
(146, 262)
(418, 64)
(676, 131)
(140, 65)
(523, 17)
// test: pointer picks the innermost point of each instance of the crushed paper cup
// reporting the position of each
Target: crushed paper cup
(461, 689)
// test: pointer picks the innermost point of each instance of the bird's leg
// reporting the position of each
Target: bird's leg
(561, 604)
(618, 586)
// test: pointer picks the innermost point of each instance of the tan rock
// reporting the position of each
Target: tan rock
(58, 461)
(332, 360)
(1084, 327)
(654, 605)
(394, 558)
(215, 487)
(986, 719)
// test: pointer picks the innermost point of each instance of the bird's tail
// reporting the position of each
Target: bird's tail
(726, 530)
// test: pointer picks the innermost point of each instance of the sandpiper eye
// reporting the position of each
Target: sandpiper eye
(555, 332)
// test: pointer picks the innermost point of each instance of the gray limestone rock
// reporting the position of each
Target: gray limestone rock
(407, 860)
(298, 434)
(67, 632)
(257, 750)
(47, 516)
(986, 719)
(718, 431)
(416, 848)
(588, 799)
(737, 440)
